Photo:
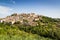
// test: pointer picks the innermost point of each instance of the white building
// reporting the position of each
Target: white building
(1, 21)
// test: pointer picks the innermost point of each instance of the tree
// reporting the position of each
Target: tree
(15, 14)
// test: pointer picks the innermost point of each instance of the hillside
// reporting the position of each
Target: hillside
(29, 27)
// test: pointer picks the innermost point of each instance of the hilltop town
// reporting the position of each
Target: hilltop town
(28, 19)
(22, 25)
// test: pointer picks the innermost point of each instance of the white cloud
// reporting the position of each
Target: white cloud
(13, 2)
(4, 11)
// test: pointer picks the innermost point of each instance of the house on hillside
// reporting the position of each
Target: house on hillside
(1, 21)
(33, 23)
(36, 19)
(32, 14)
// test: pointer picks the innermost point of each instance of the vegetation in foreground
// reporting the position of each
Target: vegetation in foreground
(49, 31)
(13, 33)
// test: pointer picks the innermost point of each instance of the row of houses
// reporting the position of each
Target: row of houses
(20, 17)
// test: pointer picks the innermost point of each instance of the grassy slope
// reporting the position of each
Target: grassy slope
(48, 31)
(13, 33)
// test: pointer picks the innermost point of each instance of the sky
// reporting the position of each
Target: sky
(50, 8)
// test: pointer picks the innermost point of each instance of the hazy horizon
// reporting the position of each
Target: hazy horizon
(50, 8)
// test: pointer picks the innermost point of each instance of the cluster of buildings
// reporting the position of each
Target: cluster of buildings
(30, 18)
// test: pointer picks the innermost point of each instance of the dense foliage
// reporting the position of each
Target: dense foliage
(12, 32)
(45, 30)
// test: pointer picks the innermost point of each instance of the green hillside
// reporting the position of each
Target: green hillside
(47, 29)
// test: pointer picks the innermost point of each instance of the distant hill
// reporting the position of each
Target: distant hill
(30, 19)
(29, 27)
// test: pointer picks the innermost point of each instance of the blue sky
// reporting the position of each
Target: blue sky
(49, 8)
